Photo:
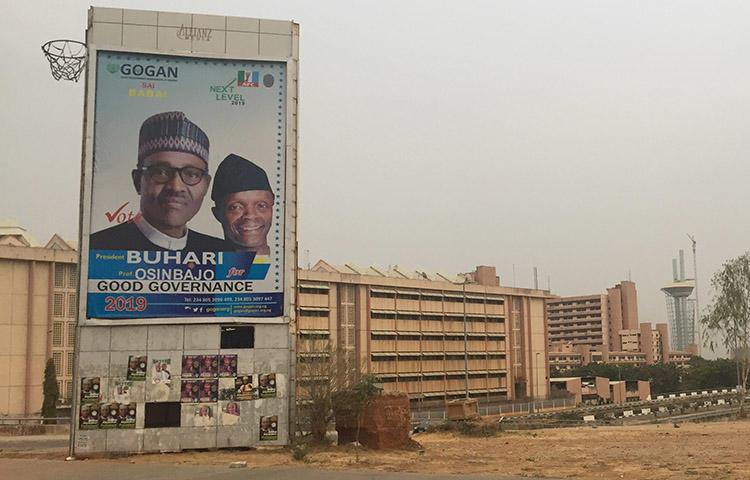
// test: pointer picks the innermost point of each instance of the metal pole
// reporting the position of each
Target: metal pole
(466, 343)
(696, 317)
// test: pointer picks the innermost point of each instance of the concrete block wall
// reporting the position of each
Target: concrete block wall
(193, 33)
(104, 353)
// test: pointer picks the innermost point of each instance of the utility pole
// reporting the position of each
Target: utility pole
(696, 317)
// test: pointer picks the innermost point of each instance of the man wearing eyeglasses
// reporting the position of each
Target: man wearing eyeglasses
(172, 178)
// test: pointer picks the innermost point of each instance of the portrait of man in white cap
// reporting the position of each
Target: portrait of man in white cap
(171, 177)
(243, 204)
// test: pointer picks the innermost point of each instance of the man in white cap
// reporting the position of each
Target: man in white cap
(172, 178)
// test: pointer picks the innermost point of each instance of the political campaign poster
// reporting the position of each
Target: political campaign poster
(161, 371)
(203, 416)
(90, 390)
(208, 391)
(228, 366)
(190, 392)
(126, 415)
(137, 366)
(267, 385)
(209, 366)
(109, 415)
(269, 427)
(88, 416)
(244, 386)
(191, 365)
(230, 414)
(121, 391)
(188, 191)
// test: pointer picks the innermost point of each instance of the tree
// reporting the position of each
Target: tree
(703, 374)
(728, 317)
(322, 372)
(51, 393)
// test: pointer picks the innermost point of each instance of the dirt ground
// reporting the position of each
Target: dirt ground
(648, 452)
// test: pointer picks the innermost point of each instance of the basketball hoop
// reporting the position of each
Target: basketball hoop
(67, 58)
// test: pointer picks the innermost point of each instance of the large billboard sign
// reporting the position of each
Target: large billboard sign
(188, 189)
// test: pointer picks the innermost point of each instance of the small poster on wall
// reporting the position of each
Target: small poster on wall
(209, 366)
(226, 389)
(190, 391)
(204, 416)
(230, 414)
(228, 366)
(191, 366)
(244, 387)
(121, 392)
(88, 418)
(90, 390)
(267, 385)
(126, 416)
(209, 391)
(269, 428)
(161, 371)
(108, 415)
(137, 365)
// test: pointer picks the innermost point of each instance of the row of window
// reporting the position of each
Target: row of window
(66, 276)
(64, 305)
(60, 369)
(59, 337)
(65, 388)
(428, 377)
(427, 297)
(431, 317)
(436, 356)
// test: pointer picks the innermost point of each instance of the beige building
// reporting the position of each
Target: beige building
(430, 335)
(594, 320)
(625, 391)
(37, 318)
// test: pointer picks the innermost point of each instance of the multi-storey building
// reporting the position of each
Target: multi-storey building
(37, 318)
(432, 336)
(580, 320)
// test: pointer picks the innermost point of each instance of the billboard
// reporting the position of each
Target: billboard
(188, 189)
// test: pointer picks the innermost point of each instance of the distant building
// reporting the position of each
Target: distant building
(38, 307)
(625, 391)
(601, 390)
(431, 335)
(604, 328)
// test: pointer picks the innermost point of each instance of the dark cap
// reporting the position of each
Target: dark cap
(236, 174)
(171, 132)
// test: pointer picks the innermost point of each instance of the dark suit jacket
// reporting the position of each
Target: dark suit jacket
(127, 236)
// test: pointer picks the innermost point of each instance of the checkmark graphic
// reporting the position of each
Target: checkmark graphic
(112, 215)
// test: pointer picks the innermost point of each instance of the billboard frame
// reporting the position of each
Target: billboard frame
(290, 217)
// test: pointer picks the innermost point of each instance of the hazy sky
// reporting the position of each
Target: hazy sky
(584, 137)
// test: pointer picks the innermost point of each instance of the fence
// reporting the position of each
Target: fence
(32, 420)
(439, 416)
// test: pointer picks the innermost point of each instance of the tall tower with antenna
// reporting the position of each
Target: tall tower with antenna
(680, 309)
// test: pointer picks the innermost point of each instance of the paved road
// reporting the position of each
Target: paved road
(27, 469)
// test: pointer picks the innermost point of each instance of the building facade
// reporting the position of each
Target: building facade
(594, 320)
(433, 336)
(37, 319)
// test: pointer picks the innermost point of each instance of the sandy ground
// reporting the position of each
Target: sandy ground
(649, 452)
(706, 450)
